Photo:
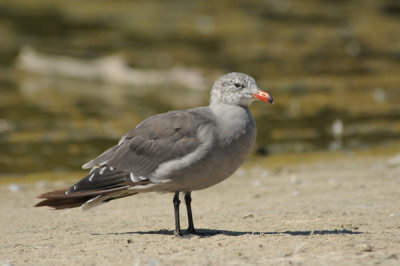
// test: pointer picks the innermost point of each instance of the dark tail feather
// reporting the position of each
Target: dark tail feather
(59, 200)
(59, 204)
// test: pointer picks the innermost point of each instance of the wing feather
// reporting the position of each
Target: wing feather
(135, 158)
(156, 140)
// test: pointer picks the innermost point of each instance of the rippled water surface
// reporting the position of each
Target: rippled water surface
(73, 80)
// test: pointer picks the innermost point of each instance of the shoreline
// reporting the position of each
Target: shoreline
(327, 211)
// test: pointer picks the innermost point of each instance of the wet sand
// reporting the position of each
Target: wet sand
(340, 211)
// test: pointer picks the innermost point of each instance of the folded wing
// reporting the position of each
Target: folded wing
(134, 160)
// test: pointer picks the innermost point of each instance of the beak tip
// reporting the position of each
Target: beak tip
(261, 95)
(271, 100)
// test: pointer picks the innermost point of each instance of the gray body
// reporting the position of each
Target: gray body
(178, 151)
(226, 145)
(222, 139)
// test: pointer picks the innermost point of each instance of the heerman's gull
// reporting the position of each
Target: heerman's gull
(178, 151)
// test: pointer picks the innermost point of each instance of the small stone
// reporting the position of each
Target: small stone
(394, 161)
(296, 193)
(15, 188)
(153, 262)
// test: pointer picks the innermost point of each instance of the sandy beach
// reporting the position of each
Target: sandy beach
(333, 211)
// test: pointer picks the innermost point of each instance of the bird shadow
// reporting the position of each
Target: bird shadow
(215, 232)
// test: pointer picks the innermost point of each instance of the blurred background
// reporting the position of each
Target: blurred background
(76, 75)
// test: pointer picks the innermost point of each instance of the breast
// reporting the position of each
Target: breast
(227, 155)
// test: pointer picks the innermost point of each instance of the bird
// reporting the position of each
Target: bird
(176, 152)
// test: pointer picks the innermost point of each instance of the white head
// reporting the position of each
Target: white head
(237, 89)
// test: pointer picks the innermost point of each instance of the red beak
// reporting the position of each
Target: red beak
(263, 96)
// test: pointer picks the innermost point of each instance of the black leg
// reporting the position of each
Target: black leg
(188, 200)
(176, 202)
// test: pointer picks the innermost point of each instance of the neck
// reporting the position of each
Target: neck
(232, 120)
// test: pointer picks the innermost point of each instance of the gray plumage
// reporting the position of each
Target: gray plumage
(178, 151)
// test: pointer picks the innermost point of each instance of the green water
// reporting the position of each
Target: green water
(333, 68)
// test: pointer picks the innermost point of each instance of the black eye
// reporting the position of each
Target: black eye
(238, 85)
